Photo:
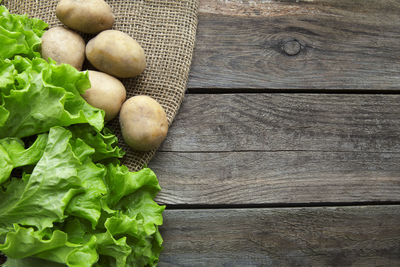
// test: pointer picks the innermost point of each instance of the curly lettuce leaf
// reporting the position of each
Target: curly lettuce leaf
(20, 156)
(53, 93)
(13, 154)
(30, 262)
(88, 205)
(6, 165)
(7, 72)
(41, 200)
(19, 35)
(74, 211)
(139, 215)
(52, 246)
(104, 142)
(34, 242)
(121, 182)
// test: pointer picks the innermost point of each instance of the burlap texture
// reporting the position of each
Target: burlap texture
(166, 30)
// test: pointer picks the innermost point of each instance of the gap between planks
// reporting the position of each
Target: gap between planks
(279, 205)
(194, 91)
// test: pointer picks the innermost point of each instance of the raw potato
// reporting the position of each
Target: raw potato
(63, 46)
(88, 16)
(143, 123)
(106, 93)
(116, 53)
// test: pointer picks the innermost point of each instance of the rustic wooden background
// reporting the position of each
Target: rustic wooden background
(286, 151)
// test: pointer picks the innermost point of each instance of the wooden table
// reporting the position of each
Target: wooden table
(286, 150)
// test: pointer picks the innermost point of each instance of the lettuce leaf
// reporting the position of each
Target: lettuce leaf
(41, 200)
(53, 93)
(74, 211)
(30, 262)
(19, 35)
(36, 95)
(104, 142)
(13, 154)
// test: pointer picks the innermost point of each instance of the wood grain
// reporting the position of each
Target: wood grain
(344, 236)
(298, 177)
(286, 122)
(342, 45)
(281, 148)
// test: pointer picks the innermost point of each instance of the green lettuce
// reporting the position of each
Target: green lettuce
(104, 142)
(65, 199)
(36, 95)
(55, 175)
(72, 210)
(19, 35)
(13, 154)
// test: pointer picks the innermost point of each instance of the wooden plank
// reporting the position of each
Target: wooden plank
(328, 236)
(276, 177)
(286, 122)
(320, 44)
(281, 148)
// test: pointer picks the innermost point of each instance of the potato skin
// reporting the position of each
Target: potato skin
(63, 46)
(88, 16)
(106, 93)
(144, 124)
(116, 53)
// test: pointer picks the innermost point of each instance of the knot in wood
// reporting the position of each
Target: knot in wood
(291, 47)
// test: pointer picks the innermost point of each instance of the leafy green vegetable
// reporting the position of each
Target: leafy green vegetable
(53, 93)
(52, 184)
(13, 154)
(30, 262)
(19, 35)
(36, 95)
(74, 211)
(64, 197)
(105, 142)
(33, 242)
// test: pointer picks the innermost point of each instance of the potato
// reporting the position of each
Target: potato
(88, 16)
(106, 93)
(63, 46)
(143, 123)
(116, 53)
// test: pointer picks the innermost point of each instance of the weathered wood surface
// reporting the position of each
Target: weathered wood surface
(337, 236)
(281, 148)
(276, 177)
(286, 122)
(284, 149)
(321, 44)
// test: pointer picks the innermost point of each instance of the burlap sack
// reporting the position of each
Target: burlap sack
(165, 29)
